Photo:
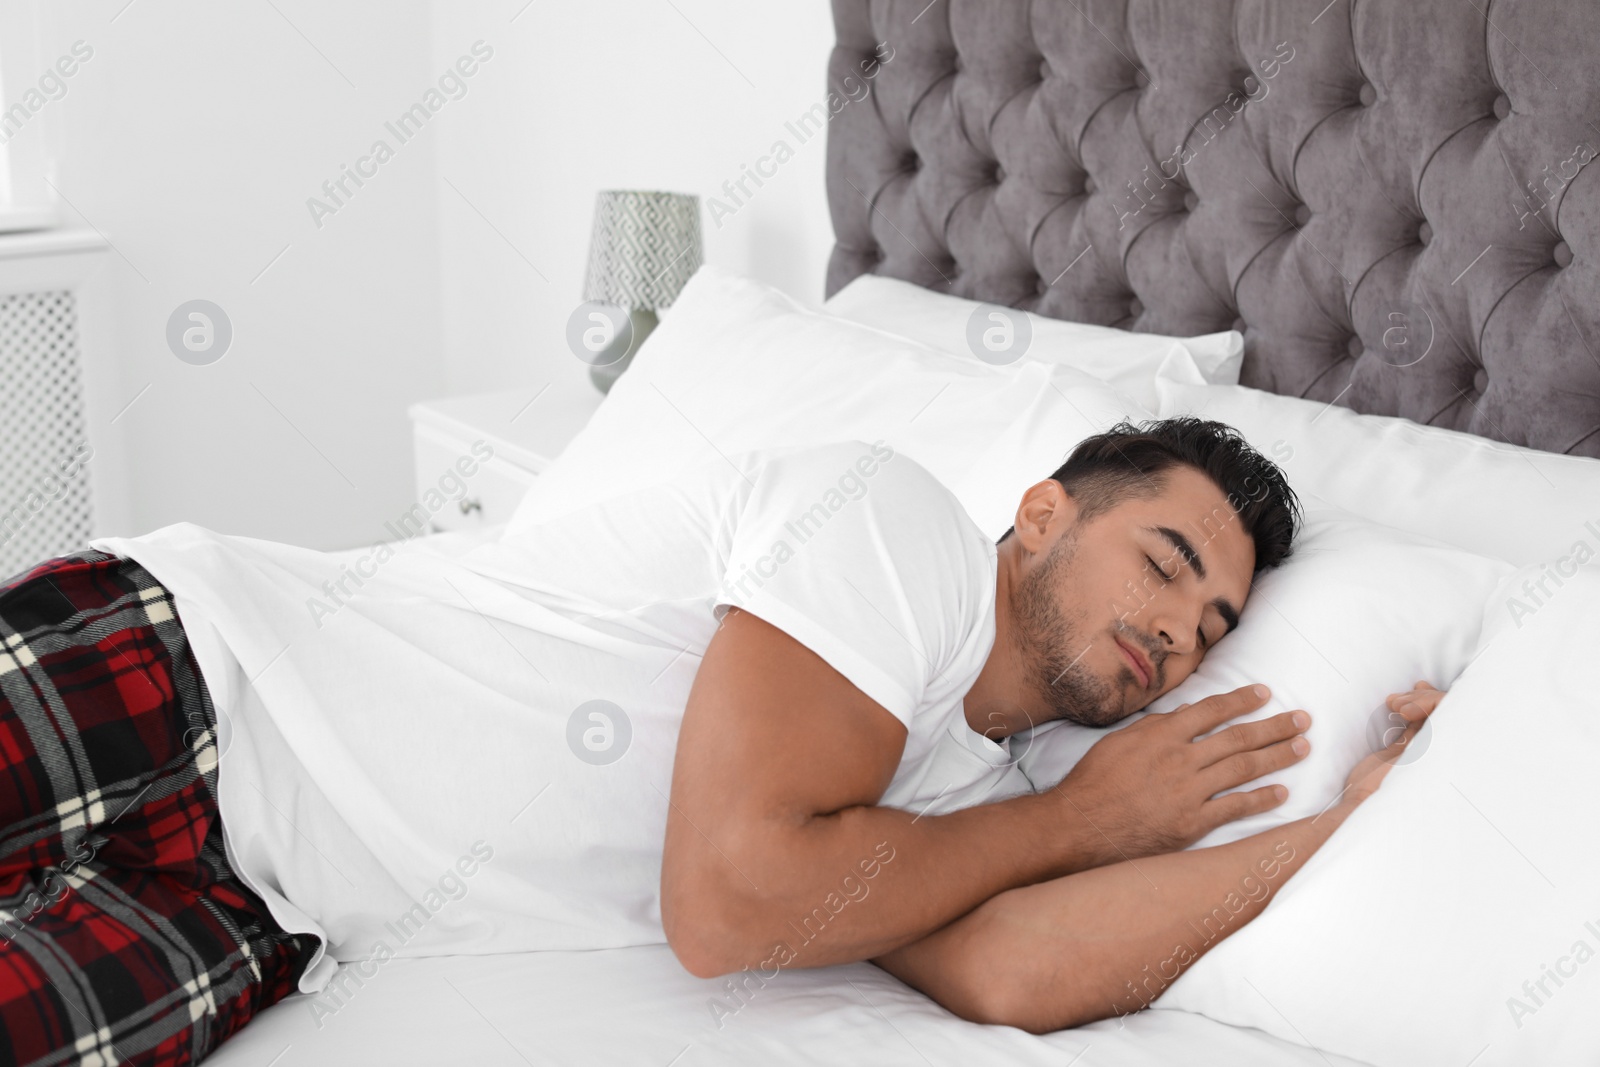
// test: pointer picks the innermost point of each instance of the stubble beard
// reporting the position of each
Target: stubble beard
(1053, 646)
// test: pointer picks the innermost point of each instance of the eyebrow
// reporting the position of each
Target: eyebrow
(1229, 616)
(1181, 545)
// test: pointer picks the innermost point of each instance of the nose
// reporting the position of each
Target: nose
(1175, 645)
(1175, 626)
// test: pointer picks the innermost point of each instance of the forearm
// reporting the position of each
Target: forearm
(861, 882)
(1105, 941)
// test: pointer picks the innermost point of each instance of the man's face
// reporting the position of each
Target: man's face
(1113, 612)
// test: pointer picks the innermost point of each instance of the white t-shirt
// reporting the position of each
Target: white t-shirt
(431, 749)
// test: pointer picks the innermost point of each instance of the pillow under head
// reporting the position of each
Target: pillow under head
(1358, 611)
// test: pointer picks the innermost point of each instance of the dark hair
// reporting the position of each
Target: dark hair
(1129, 461)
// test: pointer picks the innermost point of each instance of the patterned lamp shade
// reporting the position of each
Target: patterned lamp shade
(643, 249)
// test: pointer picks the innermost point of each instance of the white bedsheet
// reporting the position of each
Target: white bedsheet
(637, 1006)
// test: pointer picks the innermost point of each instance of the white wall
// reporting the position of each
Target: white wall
(192, 139)
(197, 132)
(607, 94)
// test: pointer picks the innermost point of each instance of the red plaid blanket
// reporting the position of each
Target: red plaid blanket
(124, 935)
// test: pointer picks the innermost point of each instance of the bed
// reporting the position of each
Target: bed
(1388, 201)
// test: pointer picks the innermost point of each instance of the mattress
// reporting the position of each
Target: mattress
(638, 1006)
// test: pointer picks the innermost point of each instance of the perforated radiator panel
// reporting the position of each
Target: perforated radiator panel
(45, 506)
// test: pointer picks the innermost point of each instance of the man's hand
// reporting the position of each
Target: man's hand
(1152, 788)
(1414, 706)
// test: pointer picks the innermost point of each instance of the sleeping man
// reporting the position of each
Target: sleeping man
(762, 711)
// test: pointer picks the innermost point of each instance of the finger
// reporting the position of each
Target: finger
(1213, 711)
(1248, 736)
(1394, 700)
(1420, 706)
(1233, 806)
(1428, 698)
(1242, 767)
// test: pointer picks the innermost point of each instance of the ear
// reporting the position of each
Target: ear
(1046, 509)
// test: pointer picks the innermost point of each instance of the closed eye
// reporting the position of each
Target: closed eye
(1199, 632)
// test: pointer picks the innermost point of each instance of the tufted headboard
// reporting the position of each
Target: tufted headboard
(1390, 198)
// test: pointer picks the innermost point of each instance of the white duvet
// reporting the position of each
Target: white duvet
(368, 790)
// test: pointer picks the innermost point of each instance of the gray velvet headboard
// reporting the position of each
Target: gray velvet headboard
(1353, 184)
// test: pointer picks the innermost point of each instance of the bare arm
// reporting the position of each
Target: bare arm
(1102, 942)
(1111, 940)
(777, 855)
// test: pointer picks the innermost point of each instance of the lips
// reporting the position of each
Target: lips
(1136, 659)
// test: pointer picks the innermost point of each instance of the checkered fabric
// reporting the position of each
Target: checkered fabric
(125, 937)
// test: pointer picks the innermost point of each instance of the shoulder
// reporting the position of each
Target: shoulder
(861, 554)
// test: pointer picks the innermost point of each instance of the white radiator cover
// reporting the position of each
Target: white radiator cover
(46, 503)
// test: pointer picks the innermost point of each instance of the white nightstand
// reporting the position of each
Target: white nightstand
(524, 428)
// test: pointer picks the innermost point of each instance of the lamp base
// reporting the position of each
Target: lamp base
(605, 372)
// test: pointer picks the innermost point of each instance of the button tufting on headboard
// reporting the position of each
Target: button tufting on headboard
(1270, 112)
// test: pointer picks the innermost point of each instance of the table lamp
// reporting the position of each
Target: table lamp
(644, 247)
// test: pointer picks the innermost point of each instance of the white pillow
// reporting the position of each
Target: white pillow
(1357, 612)
(739, 366)
(1419, 933)
(1030, 447)
(1129, 361)
(1518, 504)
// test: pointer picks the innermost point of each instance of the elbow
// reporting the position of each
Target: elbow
(715, 920)
(705, 942)
(698, 965)
(696, 954)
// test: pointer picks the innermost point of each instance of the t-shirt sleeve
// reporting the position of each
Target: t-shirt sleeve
(864, 557)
